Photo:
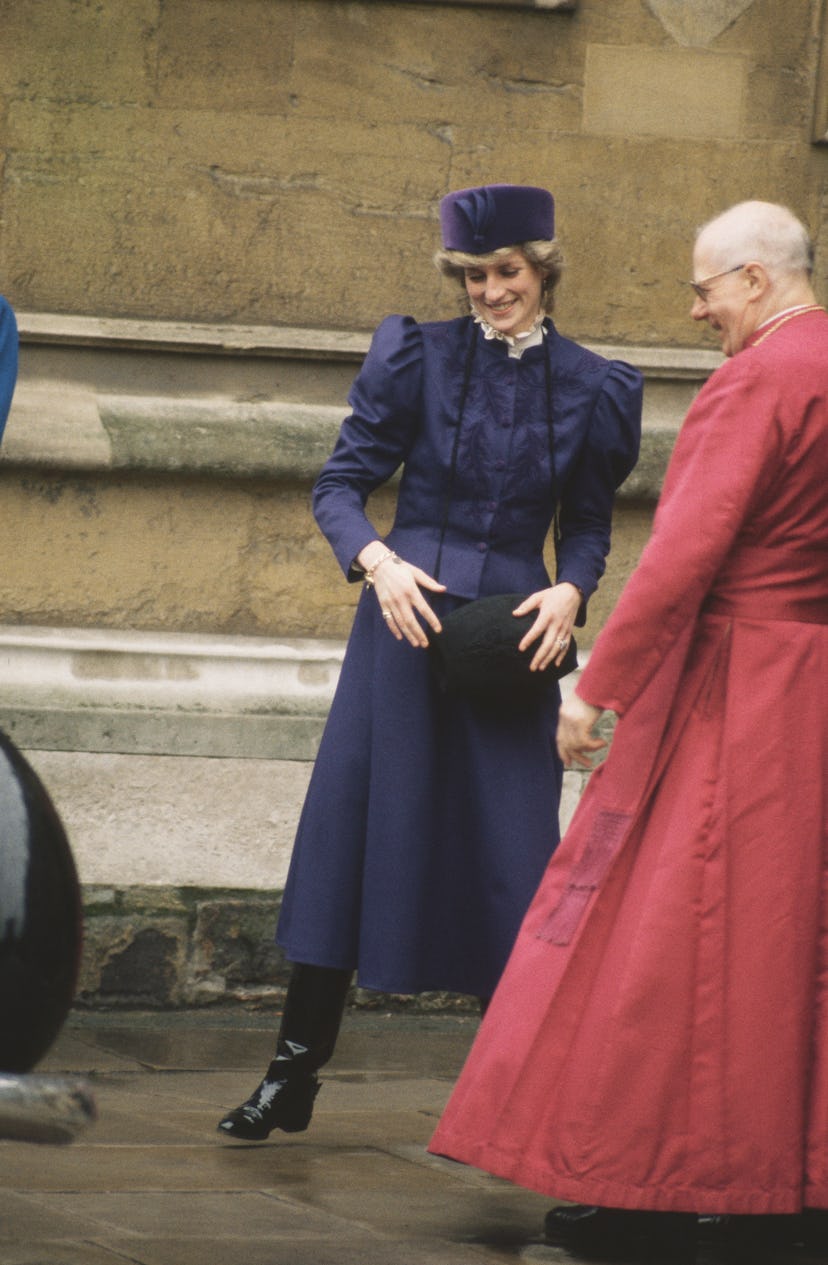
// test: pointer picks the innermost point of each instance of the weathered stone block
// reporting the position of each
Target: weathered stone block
(655, 92)
(234, 955)
(130, 552)
(167, 947)
(170, 822)
(519, 66)
(133, 959)
(215, 58)
(119, 182)
(197, 154)
(59, 50)
(172, 947)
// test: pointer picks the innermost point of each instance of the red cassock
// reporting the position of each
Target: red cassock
(659, 1039)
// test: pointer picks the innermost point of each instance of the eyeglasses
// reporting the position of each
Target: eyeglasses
(701, 287)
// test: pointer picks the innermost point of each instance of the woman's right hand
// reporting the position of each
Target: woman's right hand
(397, 585)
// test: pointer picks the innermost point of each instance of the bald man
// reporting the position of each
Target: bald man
(658, 1046)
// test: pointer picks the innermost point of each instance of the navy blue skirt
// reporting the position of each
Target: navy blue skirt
(426, 828)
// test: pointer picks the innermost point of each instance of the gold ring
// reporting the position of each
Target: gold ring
(386, 614)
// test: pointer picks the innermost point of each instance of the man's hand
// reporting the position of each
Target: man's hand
(576, 741)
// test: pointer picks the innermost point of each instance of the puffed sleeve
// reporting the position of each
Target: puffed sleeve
(609, 453)
(374, 439)
(8, 360)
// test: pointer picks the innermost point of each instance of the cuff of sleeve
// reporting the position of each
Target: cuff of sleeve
(578, 583)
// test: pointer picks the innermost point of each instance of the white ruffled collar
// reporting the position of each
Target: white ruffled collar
(516, 343)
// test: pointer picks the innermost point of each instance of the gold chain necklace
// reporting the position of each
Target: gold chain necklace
(783, 320)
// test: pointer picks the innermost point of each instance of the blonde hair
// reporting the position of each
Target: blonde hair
(546, 256)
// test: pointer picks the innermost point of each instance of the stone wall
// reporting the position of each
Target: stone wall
(205, 207)
(280, 161)
(193, 947)
(160, 485)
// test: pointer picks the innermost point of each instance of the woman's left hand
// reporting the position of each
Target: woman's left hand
(556, 610)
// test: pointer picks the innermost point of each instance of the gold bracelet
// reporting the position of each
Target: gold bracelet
(369, 571)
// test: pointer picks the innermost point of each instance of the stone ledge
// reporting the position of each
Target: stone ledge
(190, 337)
(200, 338)
(280, 441)
(97, 421)
(283, 440)
(174, 693)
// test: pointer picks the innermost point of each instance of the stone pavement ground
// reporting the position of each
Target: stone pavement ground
(152, 1183)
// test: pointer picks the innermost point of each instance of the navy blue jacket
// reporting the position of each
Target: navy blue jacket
(405, 403)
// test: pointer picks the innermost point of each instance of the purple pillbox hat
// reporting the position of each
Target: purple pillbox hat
(477, 221)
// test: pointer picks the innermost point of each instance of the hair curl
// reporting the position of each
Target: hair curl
(546, 256)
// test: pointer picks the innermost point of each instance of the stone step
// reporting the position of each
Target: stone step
(240, 401)
(165, 693)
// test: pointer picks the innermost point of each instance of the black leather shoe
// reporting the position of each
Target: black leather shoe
(713, 1227)
(750, 1240)
(619, 1233)
(279, 1102)
(813, 1231)
(561, 1223)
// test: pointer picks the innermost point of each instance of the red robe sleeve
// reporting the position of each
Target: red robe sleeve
(727, 453)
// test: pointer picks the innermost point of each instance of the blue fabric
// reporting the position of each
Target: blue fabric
(405, 404)
(426, 828)
(428, 824)
(8, 360)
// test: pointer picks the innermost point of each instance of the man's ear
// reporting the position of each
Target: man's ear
(757, 279)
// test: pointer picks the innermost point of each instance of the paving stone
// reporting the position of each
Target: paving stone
(80, 1055)
(153, 1183)
(20, 1212)
(350, 1251)
(74, 1253)
(202, 1215)
(409, 1044)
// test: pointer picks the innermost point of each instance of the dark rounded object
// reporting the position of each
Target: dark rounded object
(40, 916)
(477, 656)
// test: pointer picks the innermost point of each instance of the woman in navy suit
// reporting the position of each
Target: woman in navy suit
(429, 820)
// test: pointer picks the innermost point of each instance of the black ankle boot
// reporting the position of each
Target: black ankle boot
(310, 1025)
(283, 1100)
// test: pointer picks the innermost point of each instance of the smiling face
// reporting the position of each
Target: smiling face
(750, 263)
(506, 293)
(727, 297)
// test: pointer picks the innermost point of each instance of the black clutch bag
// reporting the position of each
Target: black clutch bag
(476, 655)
